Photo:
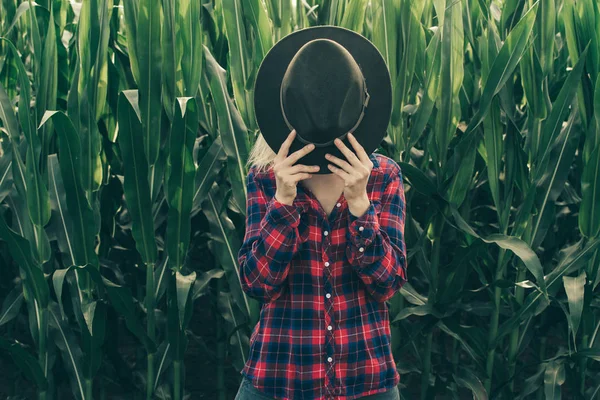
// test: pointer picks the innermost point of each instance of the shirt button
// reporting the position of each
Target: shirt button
(329, 359)
(338, 204)
(361, 249)
(362, 228)
(325, 233)
(327, 263)
(329, 327)
(328, 295)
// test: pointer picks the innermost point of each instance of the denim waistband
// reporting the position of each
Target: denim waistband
(247, 391)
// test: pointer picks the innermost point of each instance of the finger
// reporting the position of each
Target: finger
(360, 151)
(350, 156)
(285, 146)
(295, 156)
(340, 172)
(340, 163)
(301, 177)
(303, 168)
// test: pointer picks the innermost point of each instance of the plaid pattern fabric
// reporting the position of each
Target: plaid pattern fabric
(323, 282)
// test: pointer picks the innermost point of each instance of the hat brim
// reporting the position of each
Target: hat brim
(372, 129)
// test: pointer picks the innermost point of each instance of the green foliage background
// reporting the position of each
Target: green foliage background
(125, 126)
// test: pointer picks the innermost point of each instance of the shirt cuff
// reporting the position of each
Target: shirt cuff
(280, 213)
(363, 230)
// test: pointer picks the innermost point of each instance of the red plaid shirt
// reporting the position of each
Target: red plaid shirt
(324, 327)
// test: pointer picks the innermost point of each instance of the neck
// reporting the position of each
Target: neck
(323, 180)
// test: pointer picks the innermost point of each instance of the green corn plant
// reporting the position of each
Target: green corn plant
(31, 186)
(180, 72)
(136, 186)
(180, 191)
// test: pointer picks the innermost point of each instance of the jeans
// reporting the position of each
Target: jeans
(248, 392)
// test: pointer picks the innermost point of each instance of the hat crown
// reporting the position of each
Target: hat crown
(322, 91)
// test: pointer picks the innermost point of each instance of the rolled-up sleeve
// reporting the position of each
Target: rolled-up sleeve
(376, 248)
(271, 240)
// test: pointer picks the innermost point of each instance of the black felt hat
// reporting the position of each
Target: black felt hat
(323, 81)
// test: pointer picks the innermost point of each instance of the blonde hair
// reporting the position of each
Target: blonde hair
(261, 154)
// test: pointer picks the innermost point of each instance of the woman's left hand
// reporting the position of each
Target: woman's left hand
(355, 172)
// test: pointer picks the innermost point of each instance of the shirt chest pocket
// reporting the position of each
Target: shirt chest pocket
(304, 226)
(308, 221)
(377, 206)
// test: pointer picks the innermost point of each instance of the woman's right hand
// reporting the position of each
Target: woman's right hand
(288, 175)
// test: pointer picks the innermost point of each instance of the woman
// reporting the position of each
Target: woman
(323, 253)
